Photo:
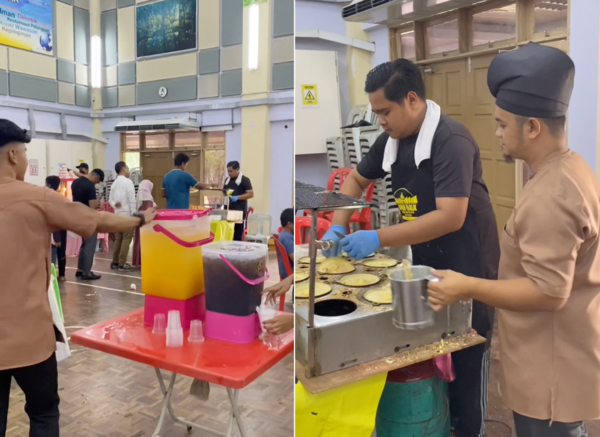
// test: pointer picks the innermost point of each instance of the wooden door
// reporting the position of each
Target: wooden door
(446, 85)
(156, 165)
(460, 88)
(498, 175)
(193, 167)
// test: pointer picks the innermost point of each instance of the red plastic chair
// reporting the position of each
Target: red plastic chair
(250, 211)
(364, 217)
(106, 207)
(340, 173)
(282, 255)
(303, 225)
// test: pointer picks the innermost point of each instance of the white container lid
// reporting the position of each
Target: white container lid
(237, 250)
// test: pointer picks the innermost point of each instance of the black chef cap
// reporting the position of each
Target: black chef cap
(533, 81)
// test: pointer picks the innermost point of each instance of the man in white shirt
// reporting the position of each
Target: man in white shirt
(122, 199)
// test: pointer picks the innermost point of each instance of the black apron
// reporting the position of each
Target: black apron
(459, 251)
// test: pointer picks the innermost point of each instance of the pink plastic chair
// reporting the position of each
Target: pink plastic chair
(104, 238)
(73, 244)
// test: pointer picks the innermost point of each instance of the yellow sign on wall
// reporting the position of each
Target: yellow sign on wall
(309, 95)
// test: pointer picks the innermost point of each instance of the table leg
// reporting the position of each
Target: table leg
(235, 411)
(168, 407)
(166, 402)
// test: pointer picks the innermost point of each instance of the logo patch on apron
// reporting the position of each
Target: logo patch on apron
(407, 204)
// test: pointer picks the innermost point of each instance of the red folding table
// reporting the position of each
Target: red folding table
(231, 365)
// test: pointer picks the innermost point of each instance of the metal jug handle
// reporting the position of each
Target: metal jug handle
(187, 244)
(242, 277)
(430, 278)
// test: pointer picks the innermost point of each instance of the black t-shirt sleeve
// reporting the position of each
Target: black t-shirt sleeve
(371, 165)
(246, 185)
(453, 167)
(90, 192)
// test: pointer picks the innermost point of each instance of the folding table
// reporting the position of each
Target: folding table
(231, 365)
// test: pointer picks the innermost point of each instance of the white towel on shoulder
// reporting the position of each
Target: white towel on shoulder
(238, 180)
(424, 140)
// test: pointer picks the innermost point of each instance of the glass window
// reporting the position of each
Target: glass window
(550, 15)
(214, 167)
(494, 25)
(132, 159)
(188, 139)
(442, 38)
(407, 40)
(157, 141)
(132, 142)
(214, 173)
(216, 139)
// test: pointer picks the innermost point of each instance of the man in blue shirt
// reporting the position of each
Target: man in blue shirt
(177, 184)
(286, 237)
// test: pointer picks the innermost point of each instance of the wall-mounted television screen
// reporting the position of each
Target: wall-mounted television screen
(165, 27)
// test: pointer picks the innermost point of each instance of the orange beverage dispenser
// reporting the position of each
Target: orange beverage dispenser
(172, 269)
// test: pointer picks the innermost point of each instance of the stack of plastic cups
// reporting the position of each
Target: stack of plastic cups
(174, 330)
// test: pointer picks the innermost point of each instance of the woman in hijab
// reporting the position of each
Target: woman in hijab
(144, 202)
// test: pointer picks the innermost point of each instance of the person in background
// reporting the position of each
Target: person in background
(28, 215)
(282, 323)
(59, 238)
(241, 187)
(286, 238)
(177, 184)
(145, 201)
(122, 199)
(84, 191)
(83, 168)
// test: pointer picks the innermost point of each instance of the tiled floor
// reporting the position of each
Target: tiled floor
(102, 395)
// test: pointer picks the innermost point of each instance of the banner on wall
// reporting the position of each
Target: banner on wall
(165, 27)
(27, 25)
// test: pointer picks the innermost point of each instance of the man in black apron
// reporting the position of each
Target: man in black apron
(447, 216)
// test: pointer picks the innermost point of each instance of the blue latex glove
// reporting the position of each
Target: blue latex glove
(336, 250)
(234, 198)
(360, 244)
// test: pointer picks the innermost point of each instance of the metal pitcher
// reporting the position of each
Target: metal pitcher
(411, 308)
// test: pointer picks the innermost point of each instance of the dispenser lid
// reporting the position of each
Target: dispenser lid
(236, 249)
(181, 214)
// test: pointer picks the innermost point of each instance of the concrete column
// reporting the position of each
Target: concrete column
(584, 111)
(358, 65)
(256, 126)
(98, 148)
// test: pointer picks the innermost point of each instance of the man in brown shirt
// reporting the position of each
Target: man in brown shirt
(28, 215)
(548, 292)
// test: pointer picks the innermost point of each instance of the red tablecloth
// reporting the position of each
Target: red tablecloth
(227, 364)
